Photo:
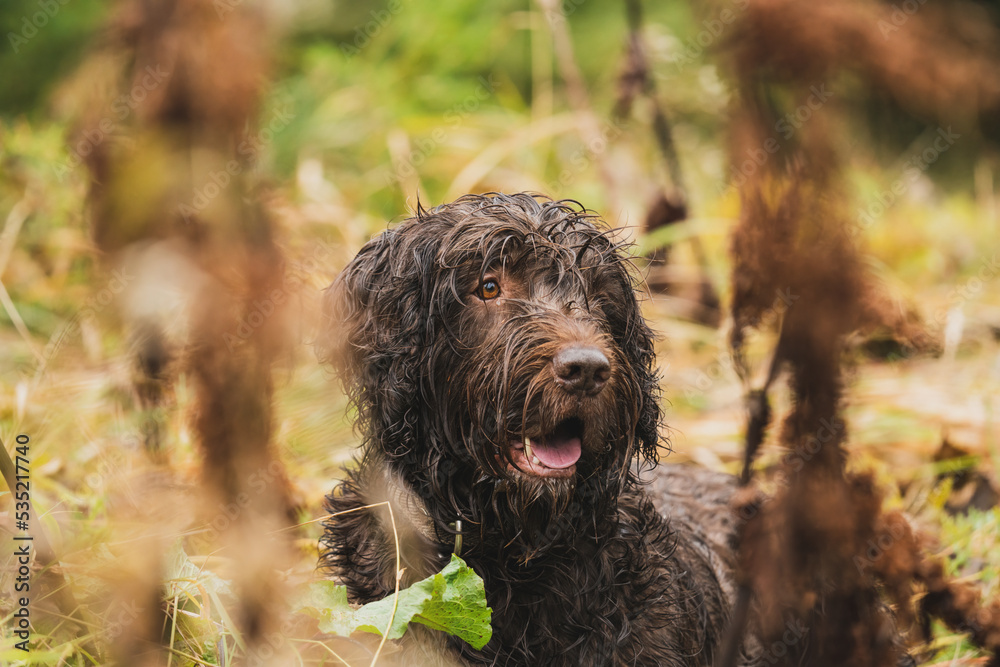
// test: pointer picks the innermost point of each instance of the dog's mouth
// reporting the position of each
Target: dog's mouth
(551, 455)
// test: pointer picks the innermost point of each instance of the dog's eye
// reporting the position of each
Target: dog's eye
(488, 289)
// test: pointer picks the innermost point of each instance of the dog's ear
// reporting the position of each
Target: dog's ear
(635, 339)
(375, 318)
(351, 328)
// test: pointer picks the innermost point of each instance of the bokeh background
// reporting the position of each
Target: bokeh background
(370, 108)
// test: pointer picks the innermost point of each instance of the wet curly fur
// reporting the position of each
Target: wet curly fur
(590, 568)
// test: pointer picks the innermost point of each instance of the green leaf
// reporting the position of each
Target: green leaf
(327, 602)
(453, 601)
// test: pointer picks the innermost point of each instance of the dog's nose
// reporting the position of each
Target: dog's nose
(581, 369)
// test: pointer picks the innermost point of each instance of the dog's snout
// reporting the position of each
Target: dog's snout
(581, 369)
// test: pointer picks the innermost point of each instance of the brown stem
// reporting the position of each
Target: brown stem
(661, 125)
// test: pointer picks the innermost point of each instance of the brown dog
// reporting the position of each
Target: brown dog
(506, 390)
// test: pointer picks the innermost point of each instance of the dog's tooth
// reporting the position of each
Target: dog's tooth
(534, 459)
(527, 446)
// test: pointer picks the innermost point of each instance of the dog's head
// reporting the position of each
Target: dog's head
(496, 343)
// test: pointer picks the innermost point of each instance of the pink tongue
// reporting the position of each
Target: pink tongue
(557, 452)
